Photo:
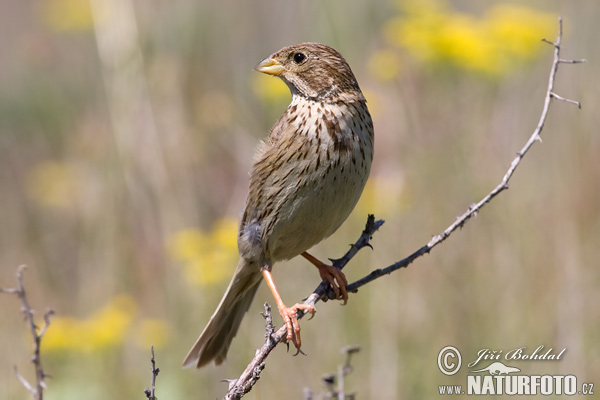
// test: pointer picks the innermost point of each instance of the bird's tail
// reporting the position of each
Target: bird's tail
(214, 341)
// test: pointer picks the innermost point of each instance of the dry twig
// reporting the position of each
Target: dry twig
(503, 185)
(36, 390)
(336, 391)
(242, 385)
(249, 377)
(150, 391)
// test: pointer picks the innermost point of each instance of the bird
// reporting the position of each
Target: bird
(306, 179)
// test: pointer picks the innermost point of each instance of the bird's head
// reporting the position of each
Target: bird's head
(314, 71)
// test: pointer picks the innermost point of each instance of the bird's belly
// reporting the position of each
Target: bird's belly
(317, 208)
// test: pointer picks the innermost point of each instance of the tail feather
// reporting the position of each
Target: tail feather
(214, 341)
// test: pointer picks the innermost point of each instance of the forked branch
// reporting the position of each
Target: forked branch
(36, 390)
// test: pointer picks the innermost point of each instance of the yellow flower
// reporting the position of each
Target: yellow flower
(492, 44)
(269, 88)
(519, 29)
(384, 65)
(187, 244)
(151, 332)
(463, 41)
(53, 184)
(416, 29)
(383, 195)
(67, 15)
(104, 329)
(206, 258)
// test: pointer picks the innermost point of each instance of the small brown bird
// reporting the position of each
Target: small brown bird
(306, 179)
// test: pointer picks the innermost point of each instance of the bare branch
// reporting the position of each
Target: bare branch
(503, 185)
(24, 381)
(40, 375)
(329, 380)
(242, 385)
(563, 61)
(250, 376)
(47, 315)
(557, 97)
(150, 391)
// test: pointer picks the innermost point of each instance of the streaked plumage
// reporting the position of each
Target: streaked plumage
(307, 177)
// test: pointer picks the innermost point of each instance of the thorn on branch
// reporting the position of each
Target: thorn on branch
(557, 97)
(230, 382)
(563, 61)
(36, 390)
(329, 381)
(47, 314)
(550, 42)
(150, 391)
(334, 382)
(473, 210)
(349, 351)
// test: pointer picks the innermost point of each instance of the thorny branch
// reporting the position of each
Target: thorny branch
(250, 376)
(503, 185)
(336, 391)
(38, 390)
(242, 385)
(150, 391)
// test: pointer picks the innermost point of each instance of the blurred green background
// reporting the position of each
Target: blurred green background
(127, 129)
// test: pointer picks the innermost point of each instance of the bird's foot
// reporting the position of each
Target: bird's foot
(331, 274)
(291, 322)
(336, 279)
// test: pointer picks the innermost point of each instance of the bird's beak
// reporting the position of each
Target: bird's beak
(269, 66)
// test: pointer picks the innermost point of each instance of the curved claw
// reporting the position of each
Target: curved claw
(299, 352)
(291, 321)
(336, 279)
(331, 274)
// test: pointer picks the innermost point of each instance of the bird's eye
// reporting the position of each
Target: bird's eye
(299, 57)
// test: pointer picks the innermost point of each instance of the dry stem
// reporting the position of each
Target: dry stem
(38, 390)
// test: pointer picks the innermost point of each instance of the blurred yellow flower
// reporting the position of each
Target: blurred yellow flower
(504, 36)
(269, 88)
(207, 258)
(383, 195)
(53, 184)
(105, 328)
(384, 65)
(151, 332)
(67, 15)
(518, 28)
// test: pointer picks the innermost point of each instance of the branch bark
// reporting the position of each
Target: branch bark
(251, 374)
(149, 392)
(36, 390)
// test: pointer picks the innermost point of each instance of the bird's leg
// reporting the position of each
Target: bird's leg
(331, 274)
(288, 313)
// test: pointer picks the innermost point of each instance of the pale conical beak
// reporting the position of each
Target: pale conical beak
(269, 66)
